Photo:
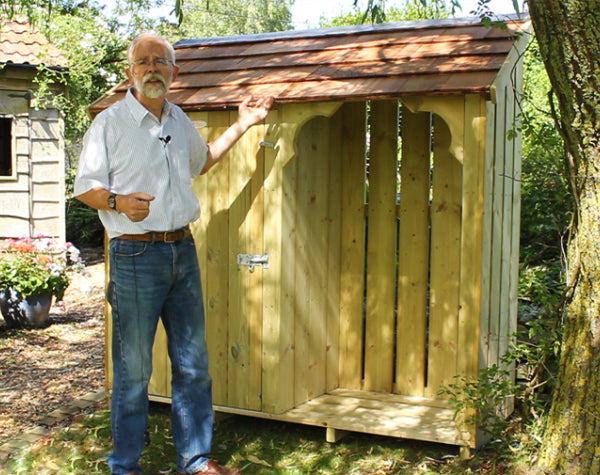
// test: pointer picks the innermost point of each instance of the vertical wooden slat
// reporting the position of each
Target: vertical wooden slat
(471, 265)
(217, 262)
(496, 297)
(108, 367)
(317, 206)
(278, 329)
(512, 210)
(413, 258)
(302, 330)
(381, 253)
(199, 230)
(507, 219)
(311, 258)
(352, 244)
(200, 187)
(516, 211)
(445, 261)
(487, 237)
(245, 289)
(333, 220)
(288, 259)
(473, 244)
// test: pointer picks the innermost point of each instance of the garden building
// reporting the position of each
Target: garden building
(360, 248)
(32, 157)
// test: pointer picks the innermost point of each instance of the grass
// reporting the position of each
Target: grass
(256, 446)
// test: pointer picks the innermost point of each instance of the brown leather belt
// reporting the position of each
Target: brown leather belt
(159, 236)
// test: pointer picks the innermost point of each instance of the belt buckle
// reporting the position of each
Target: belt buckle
(166, 240)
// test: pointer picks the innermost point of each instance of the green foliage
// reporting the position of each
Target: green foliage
(33, 266)
(83, 226)
(541, 302)
(27, 276)
(131, 17)
(488, 17)
(479, 400)
(534, 354)
(411, 10)
(94, 54)
(230, 17)
(546, 202)
(432, 8)
(29, 8)
(375, 10)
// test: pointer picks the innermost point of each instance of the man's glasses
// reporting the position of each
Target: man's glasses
(146, 62)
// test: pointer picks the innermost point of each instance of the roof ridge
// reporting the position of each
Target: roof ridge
(343, 30)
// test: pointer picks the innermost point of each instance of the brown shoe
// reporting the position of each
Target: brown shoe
(213, 468)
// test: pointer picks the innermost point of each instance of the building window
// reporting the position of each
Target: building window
(6, 161)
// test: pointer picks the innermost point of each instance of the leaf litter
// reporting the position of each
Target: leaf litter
(44, 369)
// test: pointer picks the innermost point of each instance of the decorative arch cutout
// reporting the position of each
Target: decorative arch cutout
(293, 118)
(451, 110)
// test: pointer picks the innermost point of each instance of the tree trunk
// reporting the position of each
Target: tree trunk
(568, 32)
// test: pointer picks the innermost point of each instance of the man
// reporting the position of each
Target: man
(136, 166)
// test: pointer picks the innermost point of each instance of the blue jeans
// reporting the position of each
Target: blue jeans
(149, 281)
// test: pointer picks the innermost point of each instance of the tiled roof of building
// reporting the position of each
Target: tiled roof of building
(455, 56)
(23, 44)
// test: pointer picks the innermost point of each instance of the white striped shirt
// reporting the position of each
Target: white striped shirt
(124, 151)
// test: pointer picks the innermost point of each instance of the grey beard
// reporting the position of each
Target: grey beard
(152, 91)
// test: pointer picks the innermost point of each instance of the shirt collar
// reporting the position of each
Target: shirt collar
(138, 110)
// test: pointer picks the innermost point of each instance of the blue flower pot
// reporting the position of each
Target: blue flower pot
(28, 312)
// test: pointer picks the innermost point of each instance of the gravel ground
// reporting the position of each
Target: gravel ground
(45, 369)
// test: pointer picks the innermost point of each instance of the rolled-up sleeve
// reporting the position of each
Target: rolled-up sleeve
(93, 167)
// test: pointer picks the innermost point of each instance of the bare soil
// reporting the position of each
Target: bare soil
(48, 368)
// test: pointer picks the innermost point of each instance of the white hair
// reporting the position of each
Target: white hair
(136, 40)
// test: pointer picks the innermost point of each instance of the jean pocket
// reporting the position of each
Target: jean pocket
(127, 247)
(189, 241)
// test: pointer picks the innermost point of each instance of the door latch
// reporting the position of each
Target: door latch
(253, 260)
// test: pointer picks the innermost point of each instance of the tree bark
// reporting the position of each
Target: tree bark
(568, 32)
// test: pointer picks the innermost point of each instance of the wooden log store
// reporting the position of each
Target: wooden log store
(360, 248)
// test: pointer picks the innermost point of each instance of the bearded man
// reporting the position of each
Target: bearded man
(136, 168)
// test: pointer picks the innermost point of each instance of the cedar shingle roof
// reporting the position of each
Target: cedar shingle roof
(23, 44)
(455, 56)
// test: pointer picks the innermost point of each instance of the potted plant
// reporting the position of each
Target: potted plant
(32, 272)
